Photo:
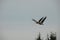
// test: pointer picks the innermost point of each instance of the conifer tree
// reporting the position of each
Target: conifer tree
(39, 37)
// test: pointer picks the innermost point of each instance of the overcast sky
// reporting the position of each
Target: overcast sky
(16, 18)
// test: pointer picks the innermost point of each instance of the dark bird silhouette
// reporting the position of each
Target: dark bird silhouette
(40, 21)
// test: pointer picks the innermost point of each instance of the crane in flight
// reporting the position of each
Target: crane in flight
(40, 21)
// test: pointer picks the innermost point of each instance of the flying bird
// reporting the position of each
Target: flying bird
(40, 21)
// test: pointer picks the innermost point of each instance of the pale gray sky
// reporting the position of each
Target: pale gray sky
(16, 18)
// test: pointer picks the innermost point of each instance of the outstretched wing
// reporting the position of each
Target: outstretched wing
(43, 20)
(40, 19)
(34, 20)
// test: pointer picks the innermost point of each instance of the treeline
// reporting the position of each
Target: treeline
(52, 36)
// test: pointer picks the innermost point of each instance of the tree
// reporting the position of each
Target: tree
(39, 37)
(53, 36)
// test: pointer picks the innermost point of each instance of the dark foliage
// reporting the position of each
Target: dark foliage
(52, 36)
(39, 37)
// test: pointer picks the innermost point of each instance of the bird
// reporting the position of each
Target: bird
(41, 21)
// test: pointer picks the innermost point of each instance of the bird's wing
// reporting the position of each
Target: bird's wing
(43, 20)
(40, 19)
(34, 20)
